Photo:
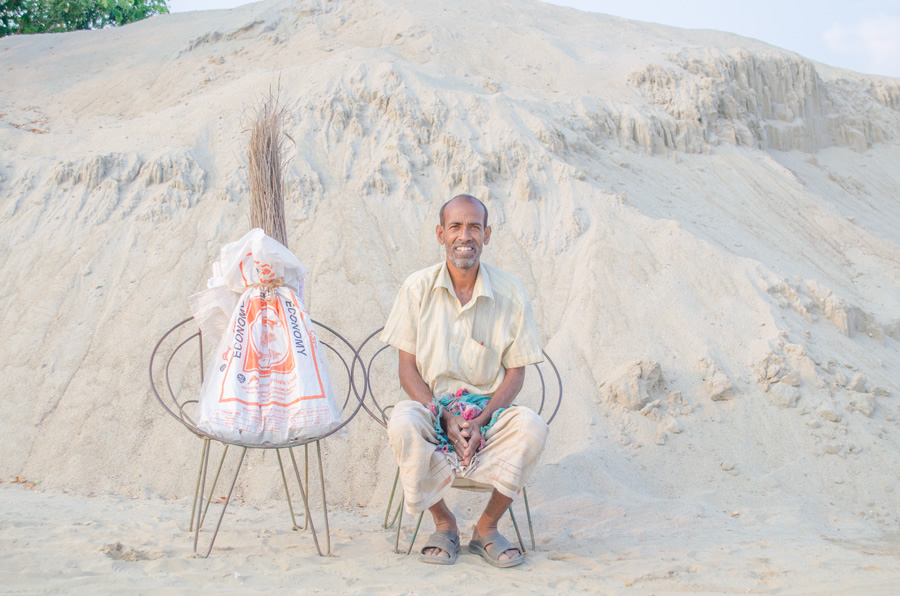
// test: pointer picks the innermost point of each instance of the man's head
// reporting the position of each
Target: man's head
(465, 197)
(463, 230)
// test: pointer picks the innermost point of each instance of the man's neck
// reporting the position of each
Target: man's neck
(463, 281)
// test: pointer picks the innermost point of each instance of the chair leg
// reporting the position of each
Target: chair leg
(224, 507)
(324, 500)
(399, 525)
(212, 488)
(387, 511)
(398, 517)
(199, 509)
(306, 478)
(195, 508)
(518, 534)
(396, 514)
(416, 533)
(305, 501)
(287, 492)
(528, 515)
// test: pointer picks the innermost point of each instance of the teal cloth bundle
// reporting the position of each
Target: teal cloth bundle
(464, 404)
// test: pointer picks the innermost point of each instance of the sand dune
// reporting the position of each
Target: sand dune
(707, 226)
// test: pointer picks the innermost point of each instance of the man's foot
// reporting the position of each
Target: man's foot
(444, 524)
(441, 548)
(496, 550)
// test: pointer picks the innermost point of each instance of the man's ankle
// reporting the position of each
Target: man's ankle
(483, 528)
(446, 523)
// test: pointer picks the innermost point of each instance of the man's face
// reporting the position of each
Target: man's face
(463, 233)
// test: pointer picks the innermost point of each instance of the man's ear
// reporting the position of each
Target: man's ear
(487, 235)
(439, 232)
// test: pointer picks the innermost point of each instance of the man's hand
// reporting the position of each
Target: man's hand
(472, 430)
(464, 435)
(454, 426)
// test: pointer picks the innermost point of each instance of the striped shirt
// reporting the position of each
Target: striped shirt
(467, 346)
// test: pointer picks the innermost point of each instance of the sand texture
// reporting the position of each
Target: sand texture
(709, 228)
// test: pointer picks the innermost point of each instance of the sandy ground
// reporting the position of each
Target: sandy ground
(78, 543)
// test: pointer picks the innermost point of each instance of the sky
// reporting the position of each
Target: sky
(862, 35)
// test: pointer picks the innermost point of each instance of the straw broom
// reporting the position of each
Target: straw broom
(266, 184)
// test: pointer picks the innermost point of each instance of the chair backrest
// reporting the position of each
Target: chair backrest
(544, 396)
(177, 368)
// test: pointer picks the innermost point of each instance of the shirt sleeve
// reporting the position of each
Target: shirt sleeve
(525, 348)
(401, 330)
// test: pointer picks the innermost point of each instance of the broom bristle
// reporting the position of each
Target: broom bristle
(266, 185)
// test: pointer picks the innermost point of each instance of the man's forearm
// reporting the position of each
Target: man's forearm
(505, 395)
(411, 380)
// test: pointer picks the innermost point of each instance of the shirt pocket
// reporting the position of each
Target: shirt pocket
(480, 364)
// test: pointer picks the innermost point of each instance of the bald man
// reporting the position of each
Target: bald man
(464, 332)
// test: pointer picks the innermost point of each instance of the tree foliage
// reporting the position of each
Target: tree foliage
(40, 16)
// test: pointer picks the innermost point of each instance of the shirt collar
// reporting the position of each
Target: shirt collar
(482, 283)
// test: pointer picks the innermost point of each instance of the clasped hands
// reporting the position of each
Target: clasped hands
(464, 435)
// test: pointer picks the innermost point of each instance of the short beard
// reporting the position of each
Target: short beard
(467, 264)
(463, 262)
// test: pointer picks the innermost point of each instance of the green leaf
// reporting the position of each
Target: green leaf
(39, 16)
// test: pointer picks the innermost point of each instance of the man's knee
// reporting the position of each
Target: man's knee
(532, 427)
(407, 416)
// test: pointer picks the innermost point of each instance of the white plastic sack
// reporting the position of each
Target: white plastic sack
(268, 382)
(237, 267)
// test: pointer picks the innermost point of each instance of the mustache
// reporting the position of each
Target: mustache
(461, 243)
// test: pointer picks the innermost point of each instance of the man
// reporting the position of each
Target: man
(465, 333)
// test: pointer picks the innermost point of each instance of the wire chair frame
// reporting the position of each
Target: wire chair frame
(379, 413)
(177, 409)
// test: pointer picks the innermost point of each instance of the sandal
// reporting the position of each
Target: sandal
(445, 540)
(491, 546)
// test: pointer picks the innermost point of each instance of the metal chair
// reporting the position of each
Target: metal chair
(534, 396)
(176, 374)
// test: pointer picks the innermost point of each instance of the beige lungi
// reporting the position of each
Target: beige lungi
(513, 447)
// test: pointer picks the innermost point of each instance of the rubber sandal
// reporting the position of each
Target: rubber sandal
(496, 545)
(445, 540)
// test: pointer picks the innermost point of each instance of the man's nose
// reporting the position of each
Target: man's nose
(465, 233)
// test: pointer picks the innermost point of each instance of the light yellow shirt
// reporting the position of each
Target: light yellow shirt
(467, 346)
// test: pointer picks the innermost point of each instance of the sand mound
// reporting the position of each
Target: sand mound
(707, 226)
